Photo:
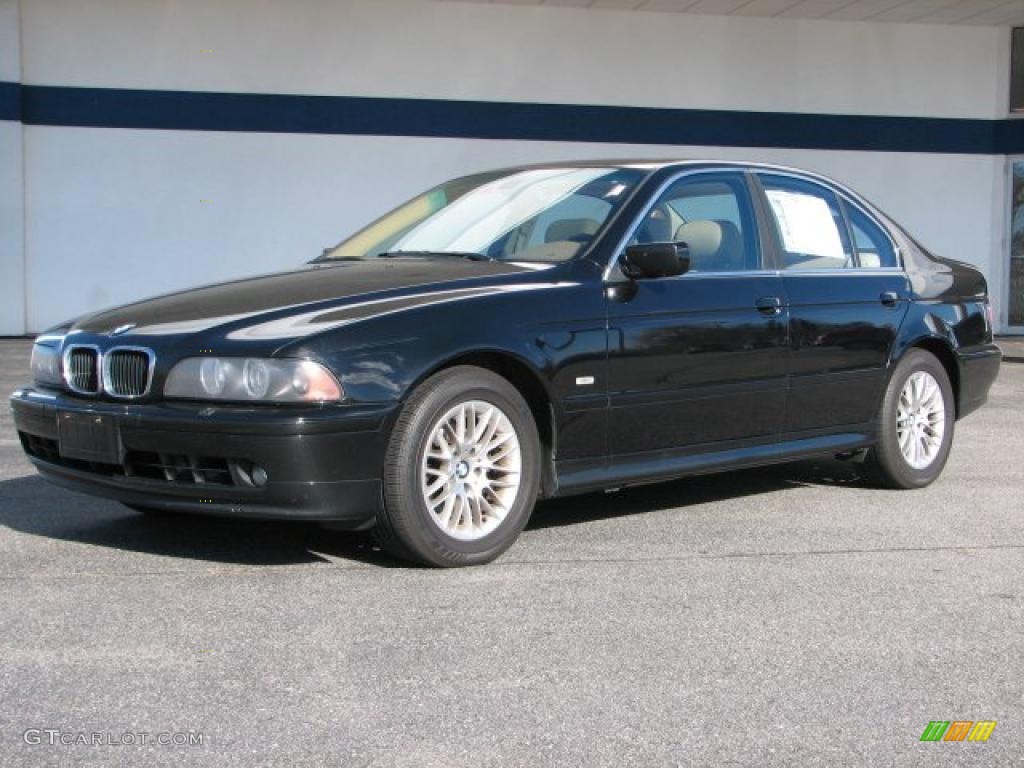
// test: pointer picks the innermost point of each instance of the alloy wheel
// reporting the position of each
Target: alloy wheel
(920, 420)
(470, 470)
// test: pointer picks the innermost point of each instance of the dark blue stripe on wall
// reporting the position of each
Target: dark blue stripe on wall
(279, 113)
(10, 101)
(1009, 137)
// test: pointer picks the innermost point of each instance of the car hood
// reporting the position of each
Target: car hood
(299, 302)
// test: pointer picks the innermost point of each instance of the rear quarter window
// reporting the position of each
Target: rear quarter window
(874, 248)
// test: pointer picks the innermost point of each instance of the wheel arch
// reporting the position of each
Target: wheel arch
(529, 383)
(944, 351)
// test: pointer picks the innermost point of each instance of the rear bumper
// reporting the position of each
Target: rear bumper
(321, 463)
(979, 367)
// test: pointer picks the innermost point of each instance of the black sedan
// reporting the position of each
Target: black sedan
(530, 332)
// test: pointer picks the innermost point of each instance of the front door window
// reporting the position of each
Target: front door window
(713, 216)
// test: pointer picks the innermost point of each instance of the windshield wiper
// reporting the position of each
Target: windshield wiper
(470, 255)
(324, 257)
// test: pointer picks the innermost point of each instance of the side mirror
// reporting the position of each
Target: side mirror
(652, 260)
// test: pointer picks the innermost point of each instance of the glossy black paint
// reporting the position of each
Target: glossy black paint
(630, 380)
(654, 260)
(292, 446)
(841, 334)
(693, 360)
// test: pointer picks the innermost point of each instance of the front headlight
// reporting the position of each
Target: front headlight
(45, 363)
(252, 379)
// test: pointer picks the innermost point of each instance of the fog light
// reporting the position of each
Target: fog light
(258, 475)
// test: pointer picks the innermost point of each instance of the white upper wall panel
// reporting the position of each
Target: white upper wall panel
(1009, 13)
(12, 254)
(515, 52)
(115, 215)
(10, 50)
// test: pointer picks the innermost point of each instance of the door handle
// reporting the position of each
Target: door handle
(769, 305)
(889, 298)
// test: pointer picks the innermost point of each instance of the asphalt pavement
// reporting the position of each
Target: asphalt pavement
(1012, 347)
(789, 616)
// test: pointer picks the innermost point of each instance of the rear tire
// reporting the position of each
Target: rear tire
(461, 472)
(915, 424)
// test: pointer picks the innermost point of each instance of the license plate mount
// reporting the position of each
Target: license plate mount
(89, 437)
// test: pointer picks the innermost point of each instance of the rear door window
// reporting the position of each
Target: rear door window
(809, 224)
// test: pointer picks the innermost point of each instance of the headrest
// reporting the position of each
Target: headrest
(715, 245)
(656, 228)
(570, 229)
(704, 238)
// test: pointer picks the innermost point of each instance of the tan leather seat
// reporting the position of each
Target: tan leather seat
(715, 245)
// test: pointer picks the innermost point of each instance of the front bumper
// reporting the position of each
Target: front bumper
(321, 463)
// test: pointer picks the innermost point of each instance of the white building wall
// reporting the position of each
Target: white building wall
(116, 214)
(12, 245)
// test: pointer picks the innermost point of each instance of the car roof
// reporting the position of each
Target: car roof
(657, 164)
(653, 165)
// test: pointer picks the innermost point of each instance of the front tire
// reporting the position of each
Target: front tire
(461, 472)
(915, 424)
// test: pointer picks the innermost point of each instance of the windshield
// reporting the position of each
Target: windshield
(545, 214)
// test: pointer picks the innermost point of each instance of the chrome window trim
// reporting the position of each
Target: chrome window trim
(725, 273)
(151, 356)
(842, 271)
(65, 360)
(848, 196)
(862, 271)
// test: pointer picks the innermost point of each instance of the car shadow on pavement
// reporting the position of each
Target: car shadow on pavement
(33, 506)
(693, 491)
